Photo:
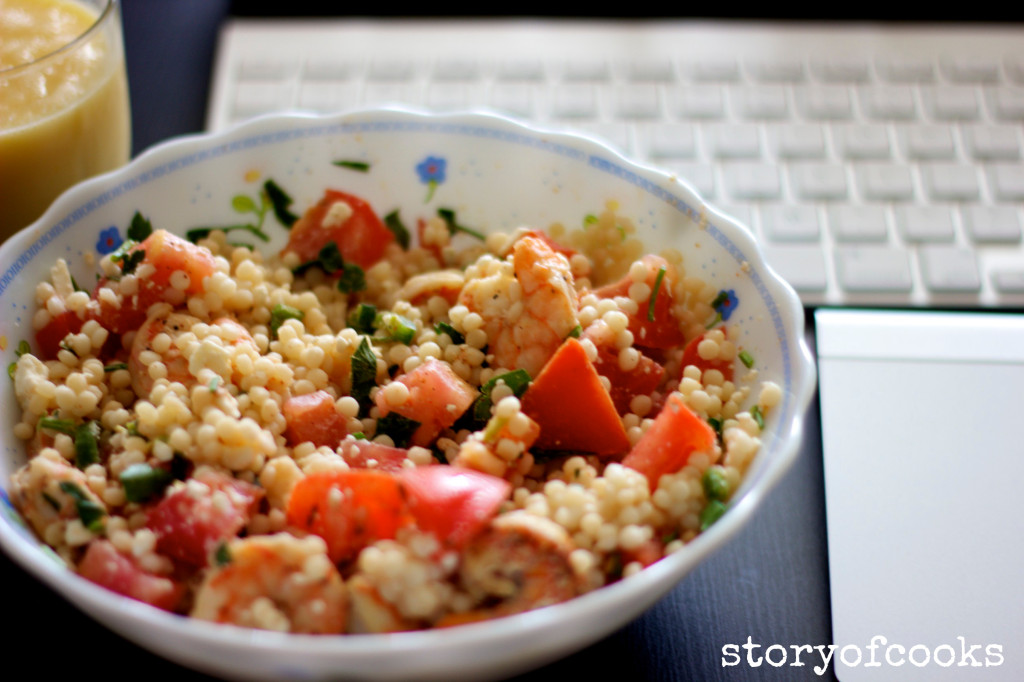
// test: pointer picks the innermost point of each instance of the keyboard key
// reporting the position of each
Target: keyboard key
(700, 101)
(585, 70)
(949, 269)
(329, 69)
(885, 182)
(270, 67)
(761, 102)
(992, 224)
(924, 223)
(794, 223)
(845, 69)
(517, 99)
(992, 142)
(739, 141)
(825, 102)
(651, 70)
(906, 69)
(803, 266)
(858, 223)
(524, 69)
(1007, 104)
(700, 176)
(950, 182)
(671, 141)
(862, 141)
(928, 142)
(391, 70)
(818, 181)
(714, 70)
(324, 96)
(796, 141)
(951, 103)
(637, 101)
(456, 69)
(752, 181)
(888, 103)
(574, 100)
(1009, 281)
(970, 69)
(778, 70)
(873, 269)
(1007, 182)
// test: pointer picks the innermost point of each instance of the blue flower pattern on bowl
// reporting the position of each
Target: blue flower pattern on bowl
(725, 303)
(109, 240)
(432, 173)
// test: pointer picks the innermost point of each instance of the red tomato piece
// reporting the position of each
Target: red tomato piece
(190, 522)
(651, 329)
(313, 418)
(167, 253)
(453, 503)
(627, 384)
(50, 336)
(349, 509)
(572, 407)
(361, 236)
(692, 357)
(365, 454)
(105, 566)
(665, 448)
(437, 398)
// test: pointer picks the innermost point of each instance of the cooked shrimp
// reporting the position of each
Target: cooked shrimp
(521, 560)
(50, 494)
(528, 310)
(159, 352)
(275, 582)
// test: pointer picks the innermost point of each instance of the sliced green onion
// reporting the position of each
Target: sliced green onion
(360, 166)
(87, 448)
(452, 332)
(362, 318)
(114, 366)
(715, 485)
(746, 358)
(142, 481)
(755, 412)
(395, 327)
(654, 293)
(65, 426)
(576, 332)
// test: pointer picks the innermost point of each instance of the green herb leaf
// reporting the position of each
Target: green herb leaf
(114, 366)
(142, 481)
(364, 371)
(87, 448)
(654, 293)
(330, 258)
(280, 201)
(281, 312)
(518, 380)
(360, 166)
(576, 332)
(452, 332)
(746, 358)
(222, 555)
(140, 228)
(448, 215)
(352, 279)
(394, 223)
(131, 261)
(90, 512)
(399, 428)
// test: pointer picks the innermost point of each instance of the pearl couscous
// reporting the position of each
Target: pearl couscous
(359, 435)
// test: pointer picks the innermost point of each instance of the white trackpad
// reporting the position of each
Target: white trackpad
(923, 435)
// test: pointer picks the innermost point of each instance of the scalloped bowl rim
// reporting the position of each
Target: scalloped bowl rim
(631, 595)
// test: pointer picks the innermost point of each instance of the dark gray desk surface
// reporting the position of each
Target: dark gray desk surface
(770, 583)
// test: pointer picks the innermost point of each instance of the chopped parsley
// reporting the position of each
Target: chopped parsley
(361, 166)
(142, 481)
(114, 366)
(452, 332)
(654, 293)
(397, 427)
(518, 380)
(398, 228)
(90, 512)
(352, 279)
(364, 371)
(140, 228)
(280, 313)
(22, 349)
(222, 555)
(87, 448)
(330, 260)
(576, 332)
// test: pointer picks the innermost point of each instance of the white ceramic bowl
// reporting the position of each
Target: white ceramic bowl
(496, 174)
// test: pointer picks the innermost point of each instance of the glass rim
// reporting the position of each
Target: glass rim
(83, 37)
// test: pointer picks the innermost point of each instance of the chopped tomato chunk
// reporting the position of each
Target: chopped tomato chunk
(572, 407)
(627, 384)
(349, 509)
(652, 327)
(674, 435)
(452, 502)
(105, 566)
(365, 454)
(50, 336)
(190, 521)
(691, 356)
(437, 398)
(346, 220)
(313, 418)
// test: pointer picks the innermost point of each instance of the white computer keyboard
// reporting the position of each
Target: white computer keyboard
(880, 165)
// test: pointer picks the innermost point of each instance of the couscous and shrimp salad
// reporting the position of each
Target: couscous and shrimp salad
(364, 434)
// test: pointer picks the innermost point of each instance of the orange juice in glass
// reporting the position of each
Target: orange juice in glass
(64, 113)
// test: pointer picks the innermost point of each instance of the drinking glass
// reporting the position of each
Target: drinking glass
(64, 112)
